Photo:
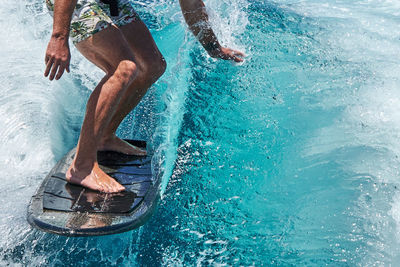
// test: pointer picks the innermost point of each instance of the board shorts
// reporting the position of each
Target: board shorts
(92, 16)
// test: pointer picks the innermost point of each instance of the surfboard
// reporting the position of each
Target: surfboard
(71, 210)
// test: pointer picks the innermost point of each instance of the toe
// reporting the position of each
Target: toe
(121, 188)
(118, 187)
(113, 189)
(98, 188)
(142, 152)
(104, 188)
(110, 189)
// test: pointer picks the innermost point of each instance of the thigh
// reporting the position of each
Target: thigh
(107, 48)
(141, 43)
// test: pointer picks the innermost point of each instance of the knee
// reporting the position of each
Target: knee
(126, 71)
(153, 70)
(162, 66)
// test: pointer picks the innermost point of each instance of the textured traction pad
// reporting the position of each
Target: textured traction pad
(133, 172)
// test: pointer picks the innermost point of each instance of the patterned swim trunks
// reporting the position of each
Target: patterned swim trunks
(92, 16)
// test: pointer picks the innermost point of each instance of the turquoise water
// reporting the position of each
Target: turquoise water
(288, 159)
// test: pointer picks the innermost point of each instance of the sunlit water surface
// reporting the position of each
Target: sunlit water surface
(290, 158)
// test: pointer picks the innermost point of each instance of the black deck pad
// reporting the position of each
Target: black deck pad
(126, 179)
(63, 208)
(61, 196)
(133, 172)
(109, 158)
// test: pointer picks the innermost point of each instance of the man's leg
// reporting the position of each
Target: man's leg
(151, 66)
(109, 50)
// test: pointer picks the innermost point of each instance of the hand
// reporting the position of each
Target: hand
(57, 57)
(227, 54)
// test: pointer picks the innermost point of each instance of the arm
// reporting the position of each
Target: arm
(57, 54)
(196, 17)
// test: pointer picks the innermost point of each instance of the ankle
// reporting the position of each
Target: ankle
(82, 166)
(107, 139)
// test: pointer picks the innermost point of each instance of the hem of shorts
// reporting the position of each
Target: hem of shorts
(76, 40)
(80, 38)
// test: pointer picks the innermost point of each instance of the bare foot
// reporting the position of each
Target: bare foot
(118, 145)
(96, 179)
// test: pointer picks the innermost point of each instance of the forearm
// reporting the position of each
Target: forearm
(196, 17)
(63, 10)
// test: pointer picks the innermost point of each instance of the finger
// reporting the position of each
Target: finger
(54, 70)
(238, 53)
(67, 67)
(48, 67)
(60, 71)
(46, 58)
(237, 59)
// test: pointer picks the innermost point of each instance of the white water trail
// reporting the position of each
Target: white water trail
(366, 34)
